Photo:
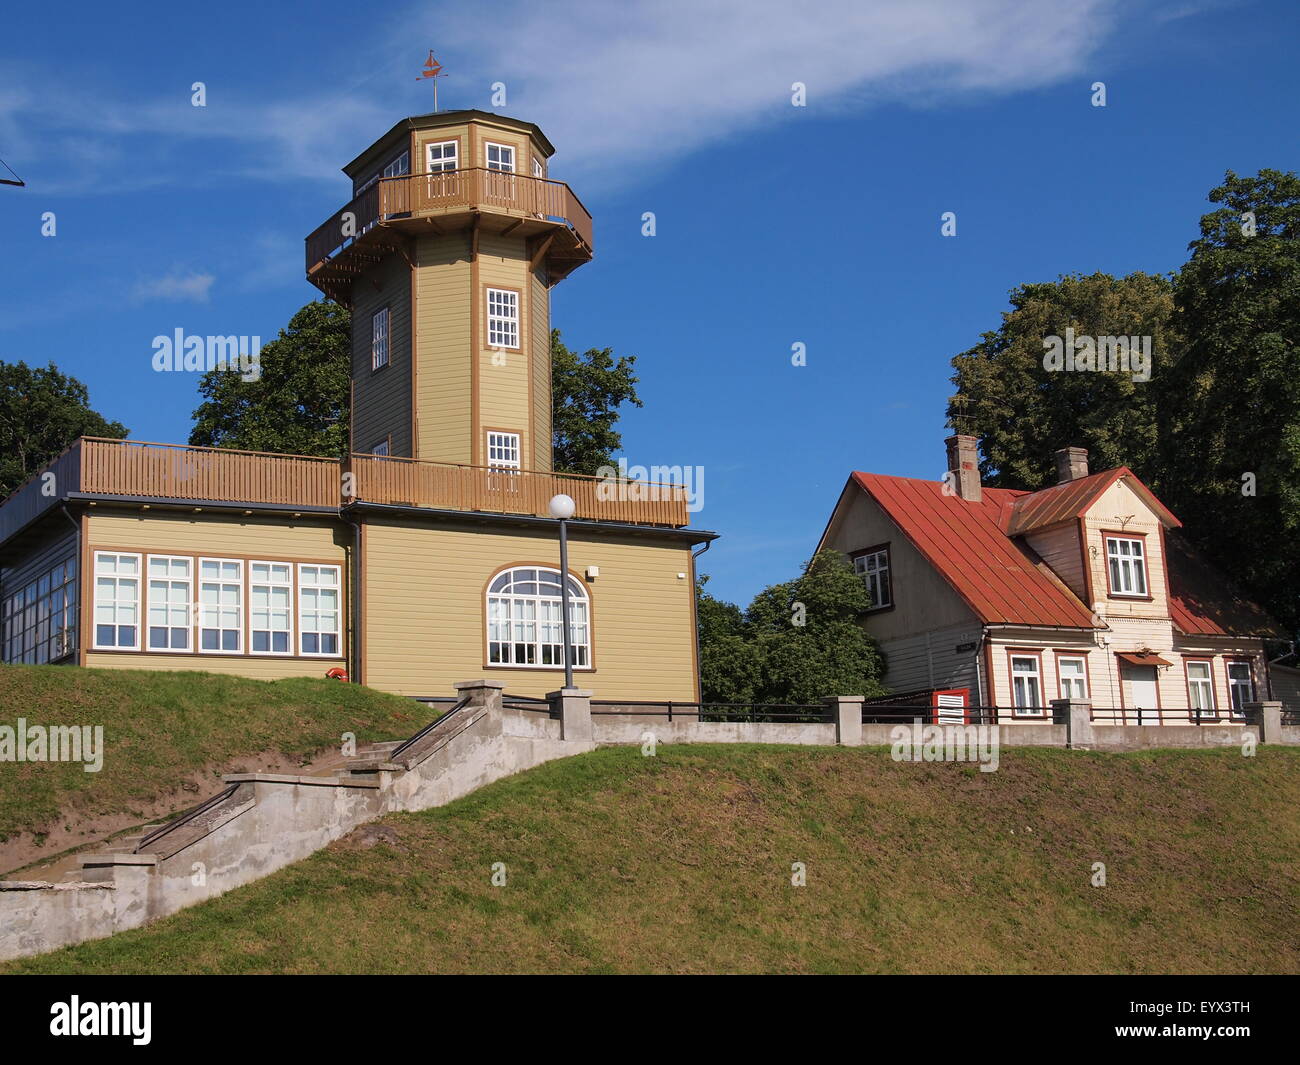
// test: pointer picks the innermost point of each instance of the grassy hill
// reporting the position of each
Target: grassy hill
(682, 863)
(162, 727)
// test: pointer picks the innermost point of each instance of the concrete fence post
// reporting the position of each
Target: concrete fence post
(485, 693)
(573, 707)
(846, 712)
(1076, 716)
(1268, 716)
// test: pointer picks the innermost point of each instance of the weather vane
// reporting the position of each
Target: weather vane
(433, 71)
(21, 183)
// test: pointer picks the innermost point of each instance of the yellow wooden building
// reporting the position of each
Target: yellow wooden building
(428, 555)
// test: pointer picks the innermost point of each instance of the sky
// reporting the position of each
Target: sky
(775, 225)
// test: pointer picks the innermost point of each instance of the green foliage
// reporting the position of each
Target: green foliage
(42, 411)
(586, 392)
(299, 405)
(1223, 401)
(798, 642)
(1232, 405)
(1023, 413)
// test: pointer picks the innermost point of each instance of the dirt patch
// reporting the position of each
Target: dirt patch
(31, 852)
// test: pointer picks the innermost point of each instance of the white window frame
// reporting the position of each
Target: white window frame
(436, 166)
(1238, 704)
(503, 318)
(539, 171)
(253, 629)
(1019, 708)
(304, 588)
(168, 606)
(1124, 567)
(137, 603)
(1065, 685)
(529, 617)
(500, 165)
(503, 450)
(1200, 687)
(876, 576)
(381, 450)
(222, 582)
(380, 338)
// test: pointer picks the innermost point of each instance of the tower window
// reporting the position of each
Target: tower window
(399, 166)
(500, 157)
(379, 339)
(503, 318)
(503, 450)
(442, 156)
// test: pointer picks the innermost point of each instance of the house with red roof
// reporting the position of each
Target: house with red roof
(1085, 590)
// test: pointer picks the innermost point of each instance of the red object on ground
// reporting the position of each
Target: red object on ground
(337, 673)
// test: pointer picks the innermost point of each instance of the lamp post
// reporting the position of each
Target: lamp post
(562, 508)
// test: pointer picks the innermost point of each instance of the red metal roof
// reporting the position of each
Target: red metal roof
(1203, 602)
(1071, 500)
(968, 544)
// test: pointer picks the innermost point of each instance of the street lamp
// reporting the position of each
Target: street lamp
(562, 508)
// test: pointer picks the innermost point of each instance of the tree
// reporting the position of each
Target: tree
(1230, 456)
(1022, 412)
(301, 402)
(42, 411)
(798, 642)
(298, 405)
(586, 392)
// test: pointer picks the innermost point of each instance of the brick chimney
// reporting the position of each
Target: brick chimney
(964, 465)
(1071, 464)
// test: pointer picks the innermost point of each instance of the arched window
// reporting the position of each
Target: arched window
(524, 619)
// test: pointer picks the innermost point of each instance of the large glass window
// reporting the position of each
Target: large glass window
(117, 601)
(38, 620)
(170, 595)
(318, 610)
(525, 619)
(500, 157)
(221, 605)
(270, 609)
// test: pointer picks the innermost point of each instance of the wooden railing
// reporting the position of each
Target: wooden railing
(169, 471)
(430, 484)
(142, 469)
(416, 194)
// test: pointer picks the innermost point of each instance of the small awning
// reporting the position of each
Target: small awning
(1142, 658)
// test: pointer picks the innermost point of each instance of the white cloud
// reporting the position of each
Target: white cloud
(175, 288)
(623, 90)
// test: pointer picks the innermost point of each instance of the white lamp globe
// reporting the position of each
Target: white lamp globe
(562, 507)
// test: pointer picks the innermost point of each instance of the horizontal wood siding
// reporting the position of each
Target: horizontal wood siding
(1107, 516)
(504, 374)
(1061, 550)
(226, 665)
(931, 660)
(36, 496)
(426, 624)
(540, 317)
(442, 329)
(382, 398)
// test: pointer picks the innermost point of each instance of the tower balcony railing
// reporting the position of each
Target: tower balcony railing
(473, 188)
(413, 482)
(143, 470)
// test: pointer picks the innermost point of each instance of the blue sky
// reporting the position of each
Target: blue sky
(775, 224)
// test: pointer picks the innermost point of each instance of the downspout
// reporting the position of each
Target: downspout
(695, 618)
(355, 663)
(979, 653)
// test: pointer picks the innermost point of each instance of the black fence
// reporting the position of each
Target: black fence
(796, 713)
(1136, 716)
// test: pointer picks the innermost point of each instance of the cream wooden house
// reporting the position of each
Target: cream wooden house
(425, 557)
(1085, 590)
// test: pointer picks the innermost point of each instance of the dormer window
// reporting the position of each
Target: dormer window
(500, 157)
(1126, 566)
(872, 565)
